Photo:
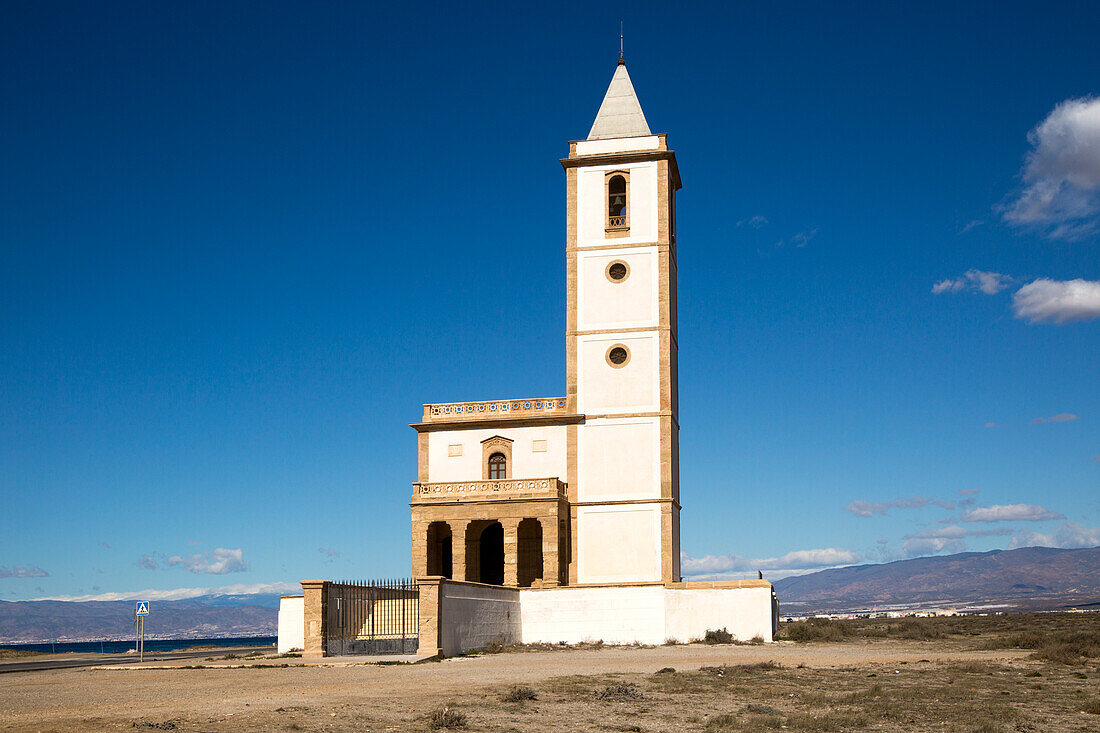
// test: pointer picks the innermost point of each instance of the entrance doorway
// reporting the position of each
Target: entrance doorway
(491, 552)
(439, 549)
(530, 552)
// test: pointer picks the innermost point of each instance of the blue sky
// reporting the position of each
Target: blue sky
(242, 243)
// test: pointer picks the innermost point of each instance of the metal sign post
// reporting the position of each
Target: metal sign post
(140, 612)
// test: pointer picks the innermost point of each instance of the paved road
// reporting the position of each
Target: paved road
(33, 664)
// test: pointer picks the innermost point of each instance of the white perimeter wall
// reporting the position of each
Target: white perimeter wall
(615, 615)
(643, 614)
(744, 612)
(526, 461)
(292, 614)
(475, 615)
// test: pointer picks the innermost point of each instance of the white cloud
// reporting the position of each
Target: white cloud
(1061, 174)
(218, 562)
(789, 564)
(955, 532)
(23, 571)
(989, 283)
(930, 545)
(945, 539)
(969, 492)
(1060, 417)
(755, 222)
(1058, 301)
(148, 562)
(1010, 513)
(974, 224)
(862, 508)
(328, 552)
(1069, 535)
(179, 594)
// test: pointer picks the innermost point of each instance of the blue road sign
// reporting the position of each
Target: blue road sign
(142, 608)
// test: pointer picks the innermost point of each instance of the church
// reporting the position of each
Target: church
(583, 488)
(554, 519)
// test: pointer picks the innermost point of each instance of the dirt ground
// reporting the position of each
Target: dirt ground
(944, 684)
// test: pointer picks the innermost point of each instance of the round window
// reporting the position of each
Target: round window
(618, 356)
(617, 271)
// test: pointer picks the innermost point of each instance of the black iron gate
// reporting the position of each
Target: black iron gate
(373, 617)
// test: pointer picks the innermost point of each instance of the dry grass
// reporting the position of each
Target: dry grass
(17, 653)
(519, 693)
(952, 683)
(446, 718)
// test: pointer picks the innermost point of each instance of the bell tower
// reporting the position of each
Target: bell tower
(623, 481)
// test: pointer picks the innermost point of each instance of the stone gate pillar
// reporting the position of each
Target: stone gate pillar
(315, 610)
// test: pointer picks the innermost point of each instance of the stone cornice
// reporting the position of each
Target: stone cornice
(620, 158)
(492, 423)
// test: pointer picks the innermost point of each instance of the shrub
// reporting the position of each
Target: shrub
(817, 629)
(519, 693)
(447, 719)
(731, 669)
(718, 636)
(620, 691)
(1092, 707)
(721, 723)
(666, 670)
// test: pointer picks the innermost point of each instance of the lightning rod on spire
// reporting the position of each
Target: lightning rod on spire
(621, 61)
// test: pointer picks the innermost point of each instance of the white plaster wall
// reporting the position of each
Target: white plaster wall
(617, 145)
(642, 206)
(292, 619)
(744, 612)
(642, 614)
(603, 389)
(619, 458)
(475, 615)
(573, 615)
(631, 303)
(620, 543)
(526, 463)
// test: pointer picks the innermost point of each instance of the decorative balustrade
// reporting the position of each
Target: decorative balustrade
(495, 408)
(512, 488)
(616, 222)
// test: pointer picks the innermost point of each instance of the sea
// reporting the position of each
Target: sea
(151, 645)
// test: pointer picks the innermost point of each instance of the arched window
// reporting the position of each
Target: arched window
(616, 201)
(498, 466)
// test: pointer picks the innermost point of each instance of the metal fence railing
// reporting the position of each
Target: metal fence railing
(373, 617)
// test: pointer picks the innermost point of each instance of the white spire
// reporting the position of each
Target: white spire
(620, 114)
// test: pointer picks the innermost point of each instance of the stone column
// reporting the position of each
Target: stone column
(551, 550)
(458, 550)
(419, 548)
(511, 551)
(430, 622)
(316, 611)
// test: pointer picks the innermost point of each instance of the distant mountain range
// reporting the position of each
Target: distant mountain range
(195, 618)
(1029, 578)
